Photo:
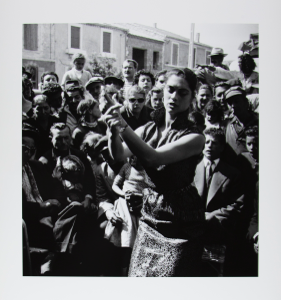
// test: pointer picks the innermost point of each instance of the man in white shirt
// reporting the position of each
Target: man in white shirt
(129, 69)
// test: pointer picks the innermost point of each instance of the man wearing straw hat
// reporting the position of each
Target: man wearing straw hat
(217, 55)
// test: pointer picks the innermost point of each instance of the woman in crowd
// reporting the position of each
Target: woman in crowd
(169, 239)
(214, 114)
(77, 72)
(144, 80)
(155, 98)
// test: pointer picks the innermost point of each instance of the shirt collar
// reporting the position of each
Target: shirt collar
(214, 162)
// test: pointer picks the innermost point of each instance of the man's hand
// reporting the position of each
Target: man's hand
(51, 207)
(113, 217)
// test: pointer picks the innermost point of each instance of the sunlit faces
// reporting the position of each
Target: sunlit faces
(136, 102)
(49, 78)
(156, 100)
(95, 89)
(42, 109)
(145, 83)
(203, 97)
(128, 70)
(79, 64)
(61, 139)
(177, 95)
(213, 147)
(252, 145)
(160, 83)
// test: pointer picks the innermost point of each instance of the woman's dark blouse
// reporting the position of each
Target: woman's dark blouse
(173, 207)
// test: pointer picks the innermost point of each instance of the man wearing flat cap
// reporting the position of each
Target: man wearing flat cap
(94, 86)
(217, 55)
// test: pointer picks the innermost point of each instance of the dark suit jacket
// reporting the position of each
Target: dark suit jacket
(224, 200)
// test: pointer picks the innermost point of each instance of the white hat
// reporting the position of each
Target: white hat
(217, 51)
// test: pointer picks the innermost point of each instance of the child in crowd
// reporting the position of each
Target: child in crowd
(123, 226)
(53, 91)
(89, 111)
(155, 98)
(77, 72)
(214, 115)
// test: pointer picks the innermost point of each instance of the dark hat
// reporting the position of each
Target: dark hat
(51, 88)
(95, 79)
(102, 144)
(234, 91)
(71, 85)
(114, 79)
(28, 74)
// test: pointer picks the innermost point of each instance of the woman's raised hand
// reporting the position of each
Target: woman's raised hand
(113, 118)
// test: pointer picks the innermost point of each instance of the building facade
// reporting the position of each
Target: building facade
(50, 47)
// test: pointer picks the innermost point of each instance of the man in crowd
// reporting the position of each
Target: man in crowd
(217, 55)
(221, 187)
(129, 69)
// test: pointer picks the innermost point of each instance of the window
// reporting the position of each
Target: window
(155, 60)
(208, 60)
(175, 54)
(106, 42)
(75, 37)
(30, 32)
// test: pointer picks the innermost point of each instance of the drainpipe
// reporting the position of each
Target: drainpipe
(191, 47)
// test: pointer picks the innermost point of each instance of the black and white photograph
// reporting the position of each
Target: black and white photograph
(141, 149)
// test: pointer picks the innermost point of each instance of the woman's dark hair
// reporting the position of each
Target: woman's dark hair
(85, 105)
(187, 74)
(214, 106)
(144, 73)
(247, 64)
(49, 73)
(163, 72)
(197, 118)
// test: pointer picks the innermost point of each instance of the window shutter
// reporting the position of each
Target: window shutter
(75, 37)
(30, 36)
(106, 41)
(175, 54)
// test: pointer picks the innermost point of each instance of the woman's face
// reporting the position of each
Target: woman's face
(177, 95)
(145, 83)
(203, 97)
(79, 64)
(160, 82)
(75, 98)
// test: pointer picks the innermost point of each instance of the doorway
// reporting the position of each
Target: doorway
(139, 57)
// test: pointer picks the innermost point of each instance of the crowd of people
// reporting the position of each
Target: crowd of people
(142, 175)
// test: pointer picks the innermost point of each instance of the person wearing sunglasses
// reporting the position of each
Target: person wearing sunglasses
(134, 111)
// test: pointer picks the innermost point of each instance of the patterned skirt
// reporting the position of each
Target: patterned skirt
(155, 255)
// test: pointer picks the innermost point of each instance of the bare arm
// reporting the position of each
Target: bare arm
(183, 148)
